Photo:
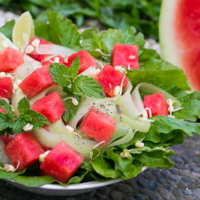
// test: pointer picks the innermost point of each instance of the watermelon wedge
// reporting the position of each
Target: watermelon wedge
(179, 36)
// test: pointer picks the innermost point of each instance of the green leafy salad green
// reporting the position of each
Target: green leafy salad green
(121, 158)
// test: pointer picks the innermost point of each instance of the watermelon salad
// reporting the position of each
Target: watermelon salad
(77, 107)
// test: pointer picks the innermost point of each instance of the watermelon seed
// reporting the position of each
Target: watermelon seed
(66, 58)
(36, 44)
(117, 90)
(121, 70)
(70, 129)
(28, 127)
(11, 168)
(139, 144)
(74, 101)
(56, 60)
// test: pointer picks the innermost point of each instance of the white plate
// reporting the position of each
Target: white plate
(58, 190)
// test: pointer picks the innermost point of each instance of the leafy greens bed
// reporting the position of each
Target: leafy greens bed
(117, 160)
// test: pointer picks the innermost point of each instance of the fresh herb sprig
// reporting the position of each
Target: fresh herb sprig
(11, 124)
(74, 86)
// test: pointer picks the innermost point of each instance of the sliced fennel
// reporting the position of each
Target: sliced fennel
(4, 159)
(85, 107)
(136, 124)
(149, 89)
(126, 104)
(124, 132)
(26, 68)
(15, 100)
(57, 132)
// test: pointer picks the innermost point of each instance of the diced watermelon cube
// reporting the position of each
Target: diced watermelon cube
(2, 110)
(47, 63)
(157, 104)
(62, 162)
(7, 139)
(86, 60)
(23, 149)
(10, 59)
(98, 125)
(37, 81)
(35, 55)
(126, 55)
(51, 106)
(6, 87)
(109, 78)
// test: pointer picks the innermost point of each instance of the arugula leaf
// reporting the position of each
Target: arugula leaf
(60, 74)
(159, 73)
(139, 150)
(191, 107)
(165, 125)
(176, 91)
(103, 167)
(7, 29)
(62, 31)
(6, 175)
(88, 86)
(157, 157)
(71, 109)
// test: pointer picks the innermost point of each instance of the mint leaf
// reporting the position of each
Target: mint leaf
(88, 86)
(191, 107)
(159, 73)
(74, 67)
(7, 29)
(166, 125)
(18, 125)
(23, 106)
(176, 91)
(62, 31)
(6, 107)
(60, 74)
(71, 109)
(157, 157)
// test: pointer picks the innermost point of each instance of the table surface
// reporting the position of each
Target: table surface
(182, 182)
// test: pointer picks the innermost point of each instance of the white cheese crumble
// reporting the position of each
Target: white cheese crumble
(28, 127)
(43, 156)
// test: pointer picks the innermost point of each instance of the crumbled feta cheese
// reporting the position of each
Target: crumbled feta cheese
(93, 73)
(56, 60)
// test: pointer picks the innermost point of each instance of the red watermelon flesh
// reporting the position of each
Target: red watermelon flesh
(2, 110)
(157, 104)
(7, 139)
(109, 78)
(51, 106)
(37, 81)
(6, 87)
(179, 37)
(10, 59)
(86, 60)
(47, 63)
(98, 125)
(25, 149)
(34, 54)
(126, 55)
(62, 162)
